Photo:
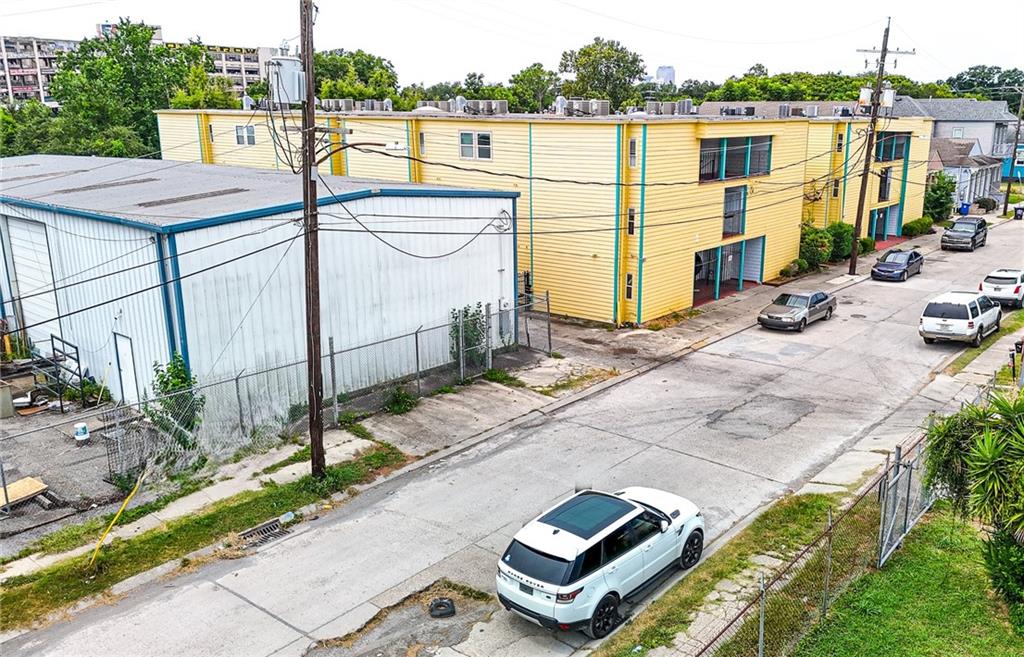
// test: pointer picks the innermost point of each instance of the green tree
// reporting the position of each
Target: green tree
(984, 81)
(359, 70)
(758, 70)
(602, 69)
(257, 90)
(178, 407)
(121, 79)
(474, 83)
(532, 88)
(202, 91)
(938, 197)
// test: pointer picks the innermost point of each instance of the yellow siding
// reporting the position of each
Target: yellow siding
(179, 137)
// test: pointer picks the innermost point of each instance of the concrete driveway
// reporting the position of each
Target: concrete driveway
(732, 426)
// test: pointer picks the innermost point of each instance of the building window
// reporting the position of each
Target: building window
(423, 144)
(632, 153)
(209, 128)
(734, 211)
(839, 143)
(631, 221)
(958, 133)
(890, 146)
(735, 157)
(710, 152)
(760, 155)
(884, 184)
(835, 189)
(475, 145)
(629, 286)
(245, 134)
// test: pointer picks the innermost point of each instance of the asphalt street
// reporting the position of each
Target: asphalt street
(731, 426)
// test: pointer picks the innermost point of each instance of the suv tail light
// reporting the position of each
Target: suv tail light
(567, 598)
(970, 324)
(980, 289)
(1016, 290)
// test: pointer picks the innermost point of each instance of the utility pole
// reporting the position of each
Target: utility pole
(876, 101)
(1013, 155)
(314, 368)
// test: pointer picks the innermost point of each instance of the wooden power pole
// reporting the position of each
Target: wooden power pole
(876, 102)
(314, 368)
(1013, 155)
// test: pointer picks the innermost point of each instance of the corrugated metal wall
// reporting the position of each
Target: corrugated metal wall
(82, 249)
(369, 291)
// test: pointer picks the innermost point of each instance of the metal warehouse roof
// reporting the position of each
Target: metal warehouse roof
(168, 196)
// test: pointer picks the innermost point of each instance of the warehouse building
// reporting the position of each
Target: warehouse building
(132, 261)
(624, 217)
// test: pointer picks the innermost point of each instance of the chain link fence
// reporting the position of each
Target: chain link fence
(798, 596)
(255, 410)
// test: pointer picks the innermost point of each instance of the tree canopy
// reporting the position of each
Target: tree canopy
(602, 69)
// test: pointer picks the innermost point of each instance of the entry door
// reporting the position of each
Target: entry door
(126, 369)
(30, 253)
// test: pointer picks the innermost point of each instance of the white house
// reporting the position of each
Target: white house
(132, 261)
(976, 175)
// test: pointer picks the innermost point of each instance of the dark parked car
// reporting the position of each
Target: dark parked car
(795, 310)
(966, 234)
(897, 265)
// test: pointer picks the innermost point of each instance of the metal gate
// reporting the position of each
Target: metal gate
(904, 498)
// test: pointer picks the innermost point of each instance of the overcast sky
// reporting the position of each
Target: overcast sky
(434, 40)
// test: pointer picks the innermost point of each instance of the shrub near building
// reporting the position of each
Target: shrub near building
(921, 226)
(815, 245)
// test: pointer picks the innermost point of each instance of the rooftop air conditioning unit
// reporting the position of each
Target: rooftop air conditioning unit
(600, 107)
(486, 107)
(423, 103)
(668, 108)
(358, 105)
(812, 111)
(845, 111)
(685, 106)
(442, 105)
(580, 107)
(796, 111)
(345, 105)
(748, 111)
(499, 106)
(652, 107)
(784, 111)
(472, 106)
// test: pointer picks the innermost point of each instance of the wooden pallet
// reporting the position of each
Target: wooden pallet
(24, 489)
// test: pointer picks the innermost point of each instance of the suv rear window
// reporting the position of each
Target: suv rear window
(1000, 280)
(536, 564)
(946, 310)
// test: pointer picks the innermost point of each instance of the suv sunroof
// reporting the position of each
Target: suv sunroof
(587, 514)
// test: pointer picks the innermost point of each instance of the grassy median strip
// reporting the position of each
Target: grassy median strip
(1012, 322)
(30, 598)
(931, 598)
(786, 526)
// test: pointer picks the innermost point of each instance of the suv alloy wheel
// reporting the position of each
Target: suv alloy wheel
(605, 618)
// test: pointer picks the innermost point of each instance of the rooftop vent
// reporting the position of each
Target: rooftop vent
(784, 111)
(190, 197)
(685, 106)
(114, 183)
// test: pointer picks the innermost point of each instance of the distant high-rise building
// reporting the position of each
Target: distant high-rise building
(666, 75)
(242, 65)
(29, 64)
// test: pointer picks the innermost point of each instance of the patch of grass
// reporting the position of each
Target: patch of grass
(73, 536)
(503, 377)
(932, 598)
(557, 355)
(31, 598)
(1012, 322)
(303, 454)
(790, 523)
(445, 390)
(399, 401)
(576, 382)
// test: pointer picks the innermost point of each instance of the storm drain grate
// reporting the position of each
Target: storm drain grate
(263, 534)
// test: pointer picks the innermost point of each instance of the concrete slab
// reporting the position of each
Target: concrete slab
(346, 623)
(848, 468)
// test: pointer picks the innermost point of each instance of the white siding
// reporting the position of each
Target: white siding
(33, 272)
(82, 249)
(369, 291)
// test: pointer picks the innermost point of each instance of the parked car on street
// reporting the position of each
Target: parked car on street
(966, 234)
(1004, 286)
(897, 265)
(960, 316)
(795, 310)
(569, 568)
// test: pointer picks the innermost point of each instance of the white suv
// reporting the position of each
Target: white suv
(1004, 286)
(960, 316)
(569, 568)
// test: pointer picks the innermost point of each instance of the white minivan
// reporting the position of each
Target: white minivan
(960, 316)
(571, 567)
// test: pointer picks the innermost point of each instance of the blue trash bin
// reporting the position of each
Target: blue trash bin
(965, 208)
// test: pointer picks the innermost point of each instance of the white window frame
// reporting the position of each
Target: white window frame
(245, 135)
(631, 221)
(632, 153)
(958, 133)
(475, 147)
(423, 143)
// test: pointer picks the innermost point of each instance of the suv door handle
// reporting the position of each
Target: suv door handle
(611, 569)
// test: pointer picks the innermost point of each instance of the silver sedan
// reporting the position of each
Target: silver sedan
(795, 310)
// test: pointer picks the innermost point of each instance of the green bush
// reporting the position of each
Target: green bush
(815, 245)
(917, 227)
(1017, 618)
(1004, 560)
(842, 240)
(985, 203)
(801, 265)
(790, 270)
(866, 245)
(938, 197)
(399, 401)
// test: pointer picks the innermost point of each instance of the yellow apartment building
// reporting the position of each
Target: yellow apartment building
(623, 218)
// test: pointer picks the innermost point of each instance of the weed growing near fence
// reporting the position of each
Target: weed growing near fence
(31, 598)
(503, 377)
(399, 401)
(474, 330)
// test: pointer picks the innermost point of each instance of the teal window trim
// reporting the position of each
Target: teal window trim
(408, 147)
(771, 141)
(764, 247)
(529, 154)
(743, 212)
(893, 155)
(743, 256)
(903, 185)
(718, 271)
(643, 198)
(618, 197)
(722, 154)
(746, 164)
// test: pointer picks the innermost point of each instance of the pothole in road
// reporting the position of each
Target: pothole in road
(761, 417)
(406, 628)
(857, 316)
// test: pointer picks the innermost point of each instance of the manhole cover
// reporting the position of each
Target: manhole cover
(262, 534)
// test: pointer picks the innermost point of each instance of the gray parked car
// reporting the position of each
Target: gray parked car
(795, 310)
